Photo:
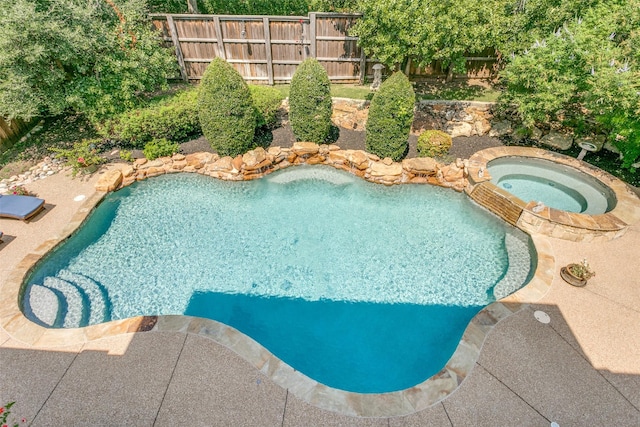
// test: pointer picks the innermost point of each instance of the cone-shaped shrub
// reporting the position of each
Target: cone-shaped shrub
(225, 109)
(310, 102)
(390, 118)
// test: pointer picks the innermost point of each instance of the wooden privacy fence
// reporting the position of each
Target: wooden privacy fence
(267, 49)
(12, 130)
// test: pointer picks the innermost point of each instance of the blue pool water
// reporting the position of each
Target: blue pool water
(555, 185)
(359, 286)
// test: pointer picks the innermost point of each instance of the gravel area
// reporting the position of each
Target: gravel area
(282, 136)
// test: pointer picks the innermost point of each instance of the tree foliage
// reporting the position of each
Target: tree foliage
(585, 75)
(396, 30)
(254, 7)
(60, 54)
(390, 118)
(225, 109)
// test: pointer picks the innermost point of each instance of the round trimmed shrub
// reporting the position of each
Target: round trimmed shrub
(266, 101)
(390, 118)
(310, 102)
(433, 143)
(225, 109)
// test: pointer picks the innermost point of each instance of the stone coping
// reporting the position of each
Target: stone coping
(557, 223)
(396, 403)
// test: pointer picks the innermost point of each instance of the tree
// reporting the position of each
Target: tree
(310, 103)
(585, 75)
(390, 118)
(89, 56)
(397, 31)
(225, 109)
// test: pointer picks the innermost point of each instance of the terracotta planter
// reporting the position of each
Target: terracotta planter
(570, 278)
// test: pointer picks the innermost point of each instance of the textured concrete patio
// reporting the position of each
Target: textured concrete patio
(582, 368)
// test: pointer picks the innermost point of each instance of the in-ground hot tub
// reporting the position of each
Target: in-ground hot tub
(553, 184)
(543, 192)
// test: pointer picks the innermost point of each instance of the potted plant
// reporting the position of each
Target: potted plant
(577, 274)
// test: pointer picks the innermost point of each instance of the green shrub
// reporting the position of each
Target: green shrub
(159, 148)
(225, 110)
(175, 118)
(310, 102)
(266, 101)
(433, 143)
(390, 118)
(126, 155)
(82, 157)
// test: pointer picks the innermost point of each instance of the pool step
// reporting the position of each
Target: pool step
(68, 300)
(73, 309)
(96, 296)
(517, 245)
(42, 304)
(500, 202)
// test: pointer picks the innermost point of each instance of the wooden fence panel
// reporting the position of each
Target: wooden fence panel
(11, 130)
(267, 49)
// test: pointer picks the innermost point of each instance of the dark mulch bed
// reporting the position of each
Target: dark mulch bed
(463, 147)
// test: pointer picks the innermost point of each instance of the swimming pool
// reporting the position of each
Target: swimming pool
(555, 185)
(379, 302)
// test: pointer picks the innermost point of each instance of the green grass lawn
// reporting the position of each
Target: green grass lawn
(435, 89)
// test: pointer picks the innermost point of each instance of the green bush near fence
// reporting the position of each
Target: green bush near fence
(266, 101)
(390, 118)
(225, 109)
(310, 102)
(175, 118)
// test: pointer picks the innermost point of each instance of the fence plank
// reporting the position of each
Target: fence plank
(312, 36)
(176, 44)
(267, 46)
(218, 28)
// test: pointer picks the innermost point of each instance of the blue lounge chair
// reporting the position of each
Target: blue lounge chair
(20, 207)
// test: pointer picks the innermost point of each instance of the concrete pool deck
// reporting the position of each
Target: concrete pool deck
(581, 368)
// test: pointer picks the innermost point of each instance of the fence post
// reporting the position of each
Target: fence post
(176, 43)
(363, 66)
(267, 46)
(312, 35)
(221, 53)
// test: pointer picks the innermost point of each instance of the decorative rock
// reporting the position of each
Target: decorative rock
(482, 127)
(379, 169)
(420, 166)
(536, 134)
(109, 181)
(456, 129)
(387, 161)
(157, 163)
(557, 140)
(178, 156)
(223, 164)
(179, 164)
(127, 171)
(500, 128)
(302, 148)
(358, 159)
(254, 157)
(610, 147)
(237, 163)
(139, 162)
